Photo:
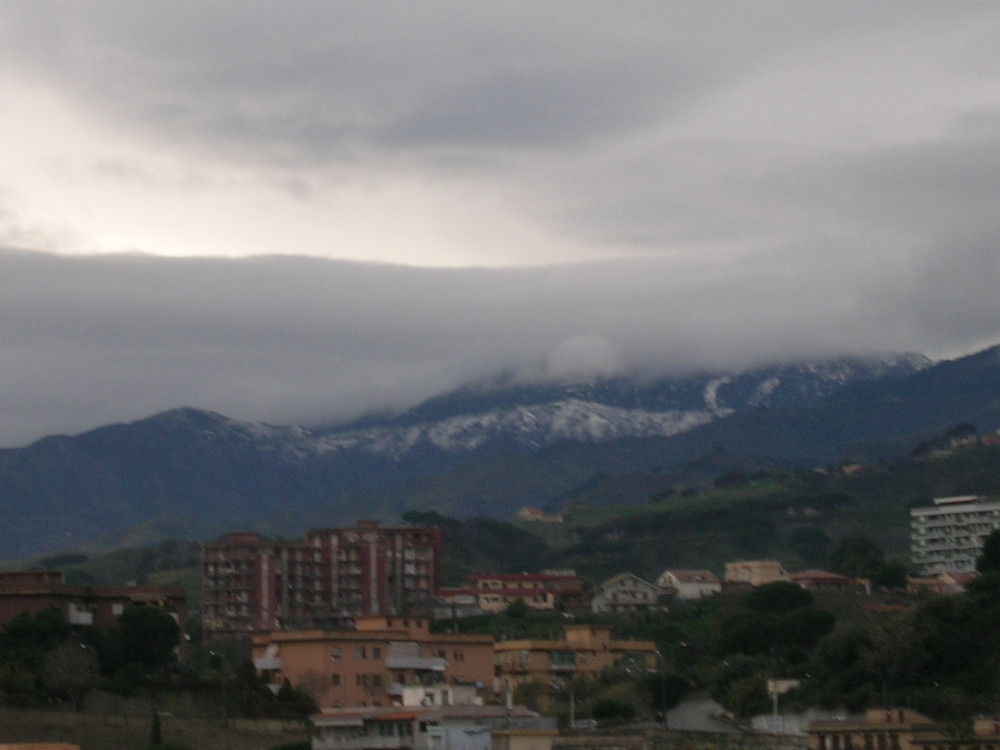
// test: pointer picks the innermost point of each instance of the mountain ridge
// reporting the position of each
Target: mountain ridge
(195, 473)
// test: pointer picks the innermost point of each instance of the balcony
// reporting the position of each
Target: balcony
(79, 616)
(268, 663)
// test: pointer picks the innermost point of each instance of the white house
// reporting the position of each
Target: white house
(626, 592)
(690, 584)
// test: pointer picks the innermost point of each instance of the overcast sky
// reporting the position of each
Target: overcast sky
(301, 211)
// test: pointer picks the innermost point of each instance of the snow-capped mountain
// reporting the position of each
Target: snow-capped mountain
(529, 417)
(485, 449)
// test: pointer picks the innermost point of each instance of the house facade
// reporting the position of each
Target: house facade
(822, 580)
(755, 572)
(626, 592)
(432, 728)
(879, 729)
(690, 584)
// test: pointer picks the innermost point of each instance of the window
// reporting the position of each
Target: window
(335, 653)
(359, 652)
(376, 652)
(335, 679)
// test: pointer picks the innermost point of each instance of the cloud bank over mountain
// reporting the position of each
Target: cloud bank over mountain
(411, 196)
(88, 340)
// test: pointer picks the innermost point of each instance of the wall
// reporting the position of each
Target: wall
(119, 732)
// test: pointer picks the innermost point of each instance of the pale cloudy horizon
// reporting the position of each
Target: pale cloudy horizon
(307, 211)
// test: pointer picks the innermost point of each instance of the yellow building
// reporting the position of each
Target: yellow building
(881, 729)
(584, 650)
(755, 572)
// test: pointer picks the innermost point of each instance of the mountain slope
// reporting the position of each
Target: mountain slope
(195, 474)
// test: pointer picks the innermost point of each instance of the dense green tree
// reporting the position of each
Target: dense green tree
(145, 636)
(749, 633)
(740, 685)
(613, 709)
(71, 670)
(664, 690)
(856, 556)
(779, 596)
(989, 558)
(810, 543)
(892, 575)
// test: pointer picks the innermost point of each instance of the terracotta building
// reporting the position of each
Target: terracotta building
(252, 583)
(373, 664)
(545, 590)
(97, 606)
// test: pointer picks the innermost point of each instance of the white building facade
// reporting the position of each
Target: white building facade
(948, 536)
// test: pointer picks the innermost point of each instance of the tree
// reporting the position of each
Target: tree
(517, 609)
(779, 596)
(70, 669)
(856, 556)
(146, 636)
(989, 557)
(665, 690)
(892, 575)
(809, 543)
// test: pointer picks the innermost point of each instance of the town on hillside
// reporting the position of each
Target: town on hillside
(354, 629)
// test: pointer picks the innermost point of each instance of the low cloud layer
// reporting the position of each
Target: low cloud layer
(89, 340)
(304, 211)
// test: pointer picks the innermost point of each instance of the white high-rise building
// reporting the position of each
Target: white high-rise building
(948, 536)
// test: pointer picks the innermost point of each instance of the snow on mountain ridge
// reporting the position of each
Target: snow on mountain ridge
(534, 426)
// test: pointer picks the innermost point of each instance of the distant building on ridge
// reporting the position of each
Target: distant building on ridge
(948, 536)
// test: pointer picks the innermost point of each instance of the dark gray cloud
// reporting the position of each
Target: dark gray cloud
(694, 185)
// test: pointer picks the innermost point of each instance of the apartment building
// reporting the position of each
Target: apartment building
(378, 663)
(584, 650)
(252, 583)
(948, 536)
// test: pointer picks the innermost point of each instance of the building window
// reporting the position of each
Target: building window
(335, 679)
(376, 652)
(359, 652)
(335, 653)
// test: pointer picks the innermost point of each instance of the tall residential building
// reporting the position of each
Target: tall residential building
(252, 583)
(948, 536)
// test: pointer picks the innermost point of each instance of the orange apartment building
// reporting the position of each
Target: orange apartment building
(586, 650)
(372, 665)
